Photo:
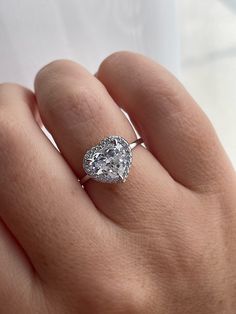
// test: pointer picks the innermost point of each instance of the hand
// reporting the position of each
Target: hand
(163, 242)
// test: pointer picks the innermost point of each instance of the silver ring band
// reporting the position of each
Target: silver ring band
(110, 144)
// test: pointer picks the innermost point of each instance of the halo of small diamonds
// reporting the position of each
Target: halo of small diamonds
(109, 161)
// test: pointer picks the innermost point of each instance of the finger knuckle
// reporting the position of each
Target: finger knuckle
(78, 105)
(117, 57)
(6, 89)
(10, 122)
(53, 68)
(113, 62)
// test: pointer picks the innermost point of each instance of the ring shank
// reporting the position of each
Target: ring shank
(136, 143)
(132, 146)
(84, 179)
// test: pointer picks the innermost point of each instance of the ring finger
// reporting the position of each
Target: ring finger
(78, 111)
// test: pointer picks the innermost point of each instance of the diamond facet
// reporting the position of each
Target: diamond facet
(109, 161)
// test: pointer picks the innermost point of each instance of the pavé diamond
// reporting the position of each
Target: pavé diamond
(109, 161)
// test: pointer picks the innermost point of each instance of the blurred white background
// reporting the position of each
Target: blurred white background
(194, 39)
(208, 62)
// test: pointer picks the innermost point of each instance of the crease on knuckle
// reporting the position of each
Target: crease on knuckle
(79, 105)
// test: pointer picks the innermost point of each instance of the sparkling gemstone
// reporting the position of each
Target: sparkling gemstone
(109, 161)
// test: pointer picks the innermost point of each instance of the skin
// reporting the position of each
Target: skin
(163, 242)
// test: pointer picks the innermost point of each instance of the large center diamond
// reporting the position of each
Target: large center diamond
(109, 161)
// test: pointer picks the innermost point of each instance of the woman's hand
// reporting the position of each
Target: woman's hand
(163, 242)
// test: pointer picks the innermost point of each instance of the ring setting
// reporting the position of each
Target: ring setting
(109, 161)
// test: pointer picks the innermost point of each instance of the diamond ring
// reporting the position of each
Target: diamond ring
(109, 161)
